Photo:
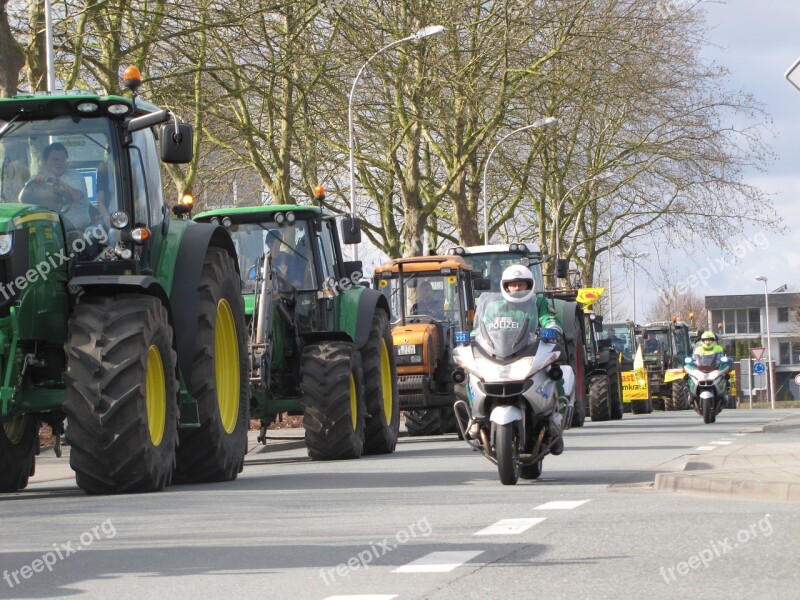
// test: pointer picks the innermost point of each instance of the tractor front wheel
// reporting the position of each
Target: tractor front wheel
(380, 388)
(219, 380)
(18, 438)
(332, 399)
(122, 394)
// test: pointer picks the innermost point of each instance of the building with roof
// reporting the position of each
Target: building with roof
(740, 322)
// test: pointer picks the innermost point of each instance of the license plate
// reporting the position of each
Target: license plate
(406, 350)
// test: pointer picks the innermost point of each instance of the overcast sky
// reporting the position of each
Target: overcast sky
(757, 42)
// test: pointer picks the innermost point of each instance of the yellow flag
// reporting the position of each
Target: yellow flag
(638, 367)
(588, 296)
(673, 375)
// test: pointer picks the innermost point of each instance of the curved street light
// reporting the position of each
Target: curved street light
(422, 33)
(770, 378)
(535, 125)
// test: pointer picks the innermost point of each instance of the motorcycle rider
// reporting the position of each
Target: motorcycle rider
(521, 301)
(709, 346)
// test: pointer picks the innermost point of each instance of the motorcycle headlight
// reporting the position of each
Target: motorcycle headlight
(6, 244)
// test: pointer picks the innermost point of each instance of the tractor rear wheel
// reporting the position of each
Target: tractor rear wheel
(332, 398)
(219, 380)
(599, 399)
(578, 364)
(423, 422)
(18, 440)
(380, 388)
(680, 395)
(122, 394)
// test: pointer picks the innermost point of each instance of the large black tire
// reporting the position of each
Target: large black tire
(599, 409)
(680, 395)
(220, 378)
(505, 447)
(332, 399)
(380, 388)
(578, 364)
(447, 418)
(615, 405)
(122, 394)
(423, 422)
(640, 407)
(708, 410)
(18, 439)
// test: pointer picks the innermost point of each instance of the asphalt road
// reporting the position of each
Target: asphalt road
(431, 521)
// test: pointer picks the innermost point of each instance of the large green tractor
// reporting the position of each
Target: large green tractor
(320, 345)
(126, 322)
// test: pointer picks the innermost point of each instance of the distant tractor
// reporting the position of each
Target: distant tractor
(320, 344)
(434, 300)
(665, 345)
(622, 336)
(112, 314)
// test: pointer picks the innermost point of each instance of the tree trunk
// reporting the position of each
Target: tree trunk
(13, 56)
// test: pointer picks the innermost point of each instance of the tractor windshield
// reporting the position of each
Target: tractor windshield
(288, 247)
(620, 338)
(435, 295)
(63, 164)
(492, 264)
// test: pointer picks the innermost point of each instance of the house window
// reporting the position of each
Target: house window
(743, 320)
(789, 352)
(783, 314)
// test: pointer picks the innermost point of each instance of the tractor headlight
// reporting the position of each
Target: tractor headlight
(119, 220)
(6, 243)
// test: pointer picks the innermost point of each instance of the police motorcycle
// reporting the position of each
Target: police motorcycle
(508, 405)
(707, 376)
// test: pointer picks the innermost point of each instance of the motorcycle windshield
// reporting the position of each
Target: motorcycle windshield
(503, 328)
(708, 362)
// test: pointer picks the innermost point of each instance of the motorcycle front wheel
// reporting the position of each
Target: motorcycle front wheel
(507, 453)
(708, 410)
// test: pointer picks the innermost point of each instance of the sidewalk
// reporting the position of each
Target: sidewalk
(766, 470)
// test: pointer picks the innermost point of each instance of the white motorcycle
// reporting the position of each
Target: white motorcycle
(508, 406)
(708, 384)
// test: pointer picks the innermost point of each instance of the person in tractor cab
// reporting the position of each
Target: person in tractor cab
(427, 302)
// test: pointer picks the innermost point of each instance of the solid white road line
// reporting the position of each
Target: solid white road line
(561, 504)
(438, 562)
(368, 597)
(509, 526)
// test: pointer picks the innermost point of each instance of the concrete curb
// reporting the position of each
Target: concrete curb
(763, 471)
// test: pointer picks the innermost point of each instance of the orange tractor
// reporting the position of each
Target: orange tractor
(433, 299)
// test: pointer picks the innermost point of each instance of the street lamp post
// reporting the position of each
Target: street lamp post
(535, 125)
(770, 378)
(556, 224)
(422, 33)
(633, 258)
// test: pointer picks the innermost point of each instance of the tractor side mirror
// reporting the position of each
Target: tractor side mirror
(176, 142)
(351, 230)
(562, 268)
(482, 284)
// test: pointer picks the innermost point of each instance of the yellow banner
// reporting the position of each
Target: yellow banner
(588, 296)
(673, 375)
(732, 373)
(638, 367)
(632, 389)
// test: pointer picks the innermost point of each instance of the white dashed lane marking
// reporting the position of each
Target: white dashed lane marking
(509, 526)
(705, 448)
(438, 562)
(561, 504)
(721, 443)
(368, 597)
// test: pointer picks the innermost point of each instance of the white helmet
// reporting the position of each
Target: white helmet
(517, 273)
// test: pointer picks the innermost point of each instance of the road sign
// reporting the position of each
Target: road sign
(759, 368)
(797, 379)
(758, 353)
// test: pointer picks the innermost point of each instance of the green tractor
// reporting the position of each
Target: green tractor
(665, 346)
(320, 343)
(126, 322)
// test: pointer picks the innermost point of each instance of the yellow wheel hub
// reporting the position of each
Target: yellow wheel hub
(386, 382)
(155, 396)
(226, 364)
(353, 402)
